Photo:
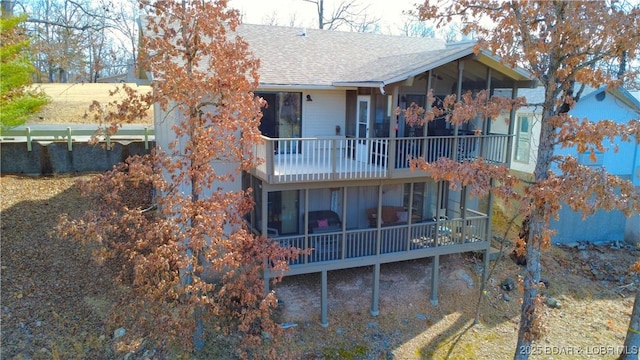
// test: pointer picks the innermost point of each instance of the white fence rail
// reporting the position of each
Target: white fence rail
(70, 135)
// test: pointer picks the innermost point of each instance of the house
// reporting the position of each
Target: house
(335, 176)
(616, 104)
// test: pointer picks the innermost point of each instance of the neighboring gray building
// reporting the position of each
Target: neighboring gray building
(616, 104)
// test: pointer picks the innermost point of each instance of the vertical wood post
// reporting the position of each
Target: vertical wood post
(375, 296)
(306, 224)
(264, 230)
(512, 120)
(324, 317)
(435, 274)
(379, 220)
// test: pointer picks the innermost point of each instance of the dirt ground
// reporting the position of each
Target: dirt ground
(593, 313)
(55, 299)
(71, 101)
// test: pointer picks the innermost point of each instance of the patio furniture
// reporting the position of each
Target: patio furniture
(391, 215)
(322, 221)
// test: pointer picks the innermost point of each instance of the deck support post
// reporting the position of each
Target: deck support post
(375, 296)
(435, 275)
(324, 316)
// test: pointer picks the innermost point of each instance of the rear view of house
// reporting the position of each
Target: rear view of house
(335, 175)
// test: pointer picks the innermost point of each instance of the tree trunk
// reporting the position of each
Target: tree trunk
(320, 14)
(632, 342)
(529, 327)
(526, 332)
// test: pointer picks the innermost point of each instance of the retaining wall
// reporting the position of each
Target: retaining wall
(48, 158)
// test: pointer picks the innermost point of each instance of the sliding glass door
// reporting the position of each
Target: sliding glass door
(282, 118)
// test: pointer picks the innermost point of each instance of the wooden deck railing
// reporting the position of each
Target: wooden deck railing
(338, 158)
(492, 148)
(397, 242)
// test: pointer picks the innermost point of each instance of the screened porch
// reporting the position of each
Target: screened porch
(358, 247)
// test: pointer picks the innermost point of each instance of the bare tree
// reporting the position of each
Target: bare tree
(126, 24)
(348, 13)
(414, 27)
(72, 38)
(270, 19)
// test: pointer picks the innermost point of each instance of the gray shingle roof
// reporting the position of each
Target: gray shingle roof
(400, 66)
(322, 57)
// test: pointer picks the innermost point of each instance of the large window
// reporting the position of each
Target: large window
(283, 210)
(523, 140)
(282, 118)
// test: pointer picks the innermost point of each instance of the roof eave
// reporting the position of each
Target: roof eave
(406, 75)
(273, 86)
(625, 96)
(518, 74)
(521, 77)
(357, 84)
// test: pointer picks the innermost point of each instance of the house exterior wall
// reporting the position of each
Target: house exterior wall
(164, 136)
(321, 115)
(632, 230)
(602, 227)
(623, 162)
(501, 126)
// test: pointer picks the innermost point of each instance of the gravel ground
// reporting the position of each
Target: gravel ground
(55, 299)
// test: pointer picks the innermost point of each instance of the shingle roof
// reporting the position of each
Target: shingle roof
(295, 56)
(391, 68)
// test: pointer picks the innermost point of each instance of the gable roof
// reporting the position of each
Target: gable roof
(312, 57)
(621, 94)
(297, 57)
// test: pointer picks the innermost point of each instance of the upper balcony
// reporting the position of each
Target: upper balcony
(292, 160)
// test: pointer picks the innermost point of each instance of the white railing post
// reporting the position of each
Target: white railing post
(269, 157)
(69, 139)
(28, 134)
(334, 158)
(108, 140)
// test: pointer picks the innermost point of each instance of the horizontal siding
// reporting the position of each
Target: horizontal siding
(321, 115)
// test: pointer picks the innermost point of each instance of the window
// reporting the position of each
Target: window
(523, 140)
(282, 117)
(283, 209)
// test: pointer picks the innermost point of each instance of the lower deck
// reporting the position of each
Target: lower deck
(369, 223)
(359, 247)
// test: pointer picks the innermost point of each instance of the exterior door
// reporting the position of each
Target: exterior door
(283, 210)
(362, 129)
